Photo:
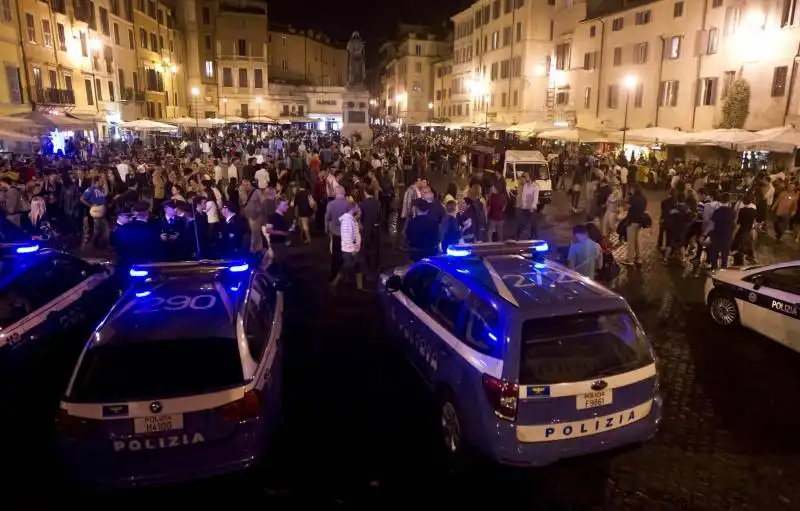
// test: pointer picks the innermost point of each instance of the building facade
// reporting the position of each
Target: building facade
(573, 62)
(407, 73)
(104, 60)
(305, 58)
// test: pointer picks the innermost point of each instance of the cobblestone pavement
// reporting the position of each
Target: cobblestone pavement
(359, 427)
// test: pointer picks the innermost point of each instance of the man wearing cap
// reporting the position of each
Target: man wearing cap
(422, 232)
(137, 240)
(171, 228)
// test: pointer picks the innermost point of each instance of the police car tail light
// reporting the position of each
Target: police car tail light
(503, 397)
(73, 427)
(245, 408)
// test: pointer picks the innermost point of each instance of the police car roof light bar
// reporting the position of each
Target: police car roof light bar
(27, 249)
(138, 273)
(510, 247)
(239, 268)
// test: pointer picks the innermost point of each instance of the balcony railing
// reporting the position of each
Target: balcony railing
(52, 96)
(129, 94)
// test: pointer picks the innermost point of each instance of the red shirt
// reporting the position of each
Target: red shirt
(497, 203)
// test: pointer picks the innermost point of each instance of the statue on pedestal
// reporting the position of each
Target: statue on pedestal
(356, 61)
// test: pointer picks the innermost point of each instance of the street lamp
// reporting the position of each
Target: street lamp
(196, 107)
(478, 88)
(629, 82)
(430, 111)
(225, 109)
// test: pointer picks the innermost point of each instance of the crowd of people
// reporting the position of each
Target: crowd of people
(243, 192)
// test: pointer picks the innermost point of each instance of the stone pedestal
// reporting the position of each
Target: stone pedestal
(355, 115)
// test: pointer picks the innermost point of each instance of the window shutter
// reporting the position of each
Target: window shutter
(702, 43)
(714, 91)
(661, 88)
(675, 90)
(666, 43)
(698, 92)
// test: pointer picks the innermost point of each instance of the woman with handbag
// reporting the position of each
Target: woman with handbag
(94, 198)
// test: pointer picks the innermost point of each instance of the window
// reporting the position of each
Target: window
(84, 44)
(98, 89)
(417, 67)
(241, 47)
(638, 95)
(677, 9)
(587, 97)
(121, 79)
(135, 81)
(618, 56)
(89, 96)
(160, 17)
(562, 98)
(640, 53)
(707, 92)
(788, 12)
(418, 282)
(516, 66)
(507, 6)
(478, 19)
(519, 31)
(258, 317)
(131, 40)
(206, 16)
(418, 49)
(779, 81)
(52, 79)
(160, 43)
(208, 42)
(151, 9)
(727, 79)
(592, 31)
(153, 42)
(227, 77)
(284, 40)
(5, 11)
(62, 37)
(668, 93)
(47, 34)
(284, 64)
(104, 26)
(495, 40)
(514, 99)
(117, 39)
(242, 77)
(590, 60)
(495, 9)
(258, 79)
(111, 91)
(493, 75)
(143, 38)
(732, 17)
(209, 69)
(68, 82)
(14, 84)
(643, 17)
(617, 24)
(674, 47)
(520, 3)
(716, 3)
(713, 41)
(612, 101)
(507, 35)
(563, 55)
(30, 26)
(505, 69)
(416, 86)
(448, 307)
(37, 78)
(782, 279)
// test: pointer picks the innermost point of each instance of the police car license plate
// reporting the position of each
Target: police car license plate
(158, 423)
(594, 399)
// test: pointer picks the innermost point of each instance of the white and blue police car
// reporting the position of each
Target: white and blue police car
(530, 362)
(765, 299)
(181, 380)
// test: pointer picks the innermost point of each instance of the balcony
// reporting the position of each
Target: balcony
(52, 96)
(129, 94)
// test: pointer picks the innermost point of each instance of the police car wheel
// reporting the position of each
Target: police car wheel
(450, 426)
(723, 310)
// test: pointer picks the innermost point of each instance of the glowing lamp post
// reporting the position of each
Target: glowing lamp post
(478, 88)
(196, 107)
(629, 82)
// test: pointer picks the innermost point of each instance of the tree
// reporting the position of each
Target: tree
(736, 107)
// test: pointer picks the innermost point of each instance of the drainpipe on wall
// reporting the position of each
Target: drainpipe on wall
(511, 59)
(600, 67)
(660, 74)
(792, 80)
(699, 62)
(24, 59)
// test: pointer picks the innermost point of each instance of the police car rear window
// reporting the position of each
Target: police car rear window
(157, 369)
(560, 350)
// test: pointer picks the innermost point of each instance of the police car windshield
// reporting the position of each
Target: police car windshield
(537, 170)
(139, 370)
(561, 350)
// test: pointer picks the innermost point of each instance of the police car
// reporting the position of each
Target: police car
(49, 301)
(181, 380)
(530, 362)
(762, 298)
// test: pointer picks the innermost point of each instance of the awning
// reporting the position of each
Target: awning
(289, 120)
(51, 122)
(148, 125)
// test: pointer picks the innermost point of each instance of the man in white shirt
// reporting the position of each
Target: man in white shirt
(217, 172)
(262, 176)
(233, 171)
(123, 168)
(527, 202)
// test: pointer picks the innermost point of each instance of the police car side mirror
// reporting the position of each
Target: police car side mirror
(393, 283)
(758, 282)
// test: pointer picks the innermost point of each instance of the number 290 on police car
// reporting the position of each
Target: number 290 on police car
(158, 423)
(594, 399)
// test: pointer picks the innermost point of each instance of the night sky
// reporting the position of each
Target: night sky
(374, 19)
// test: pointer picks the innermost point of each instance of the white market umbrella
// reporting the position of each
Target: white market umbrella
(728, 138)
(261, 119)
(429, 125)
(148, 125)
(234, 119)
(654, 134)
(51, 122)
(530, 127)
(453, 125)
(191, 122)
(13, 136)
(216, 121)
(574, 135)
(781, 140)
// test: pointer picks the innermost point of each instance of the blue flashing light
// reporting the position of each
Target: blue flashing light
(460, 270)
(492, 336)
(142, 294)
(138, 273)
(234, 288)
(539, 266)
(239, 268)
(458, 252)
(28, 249)
(542, 247)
